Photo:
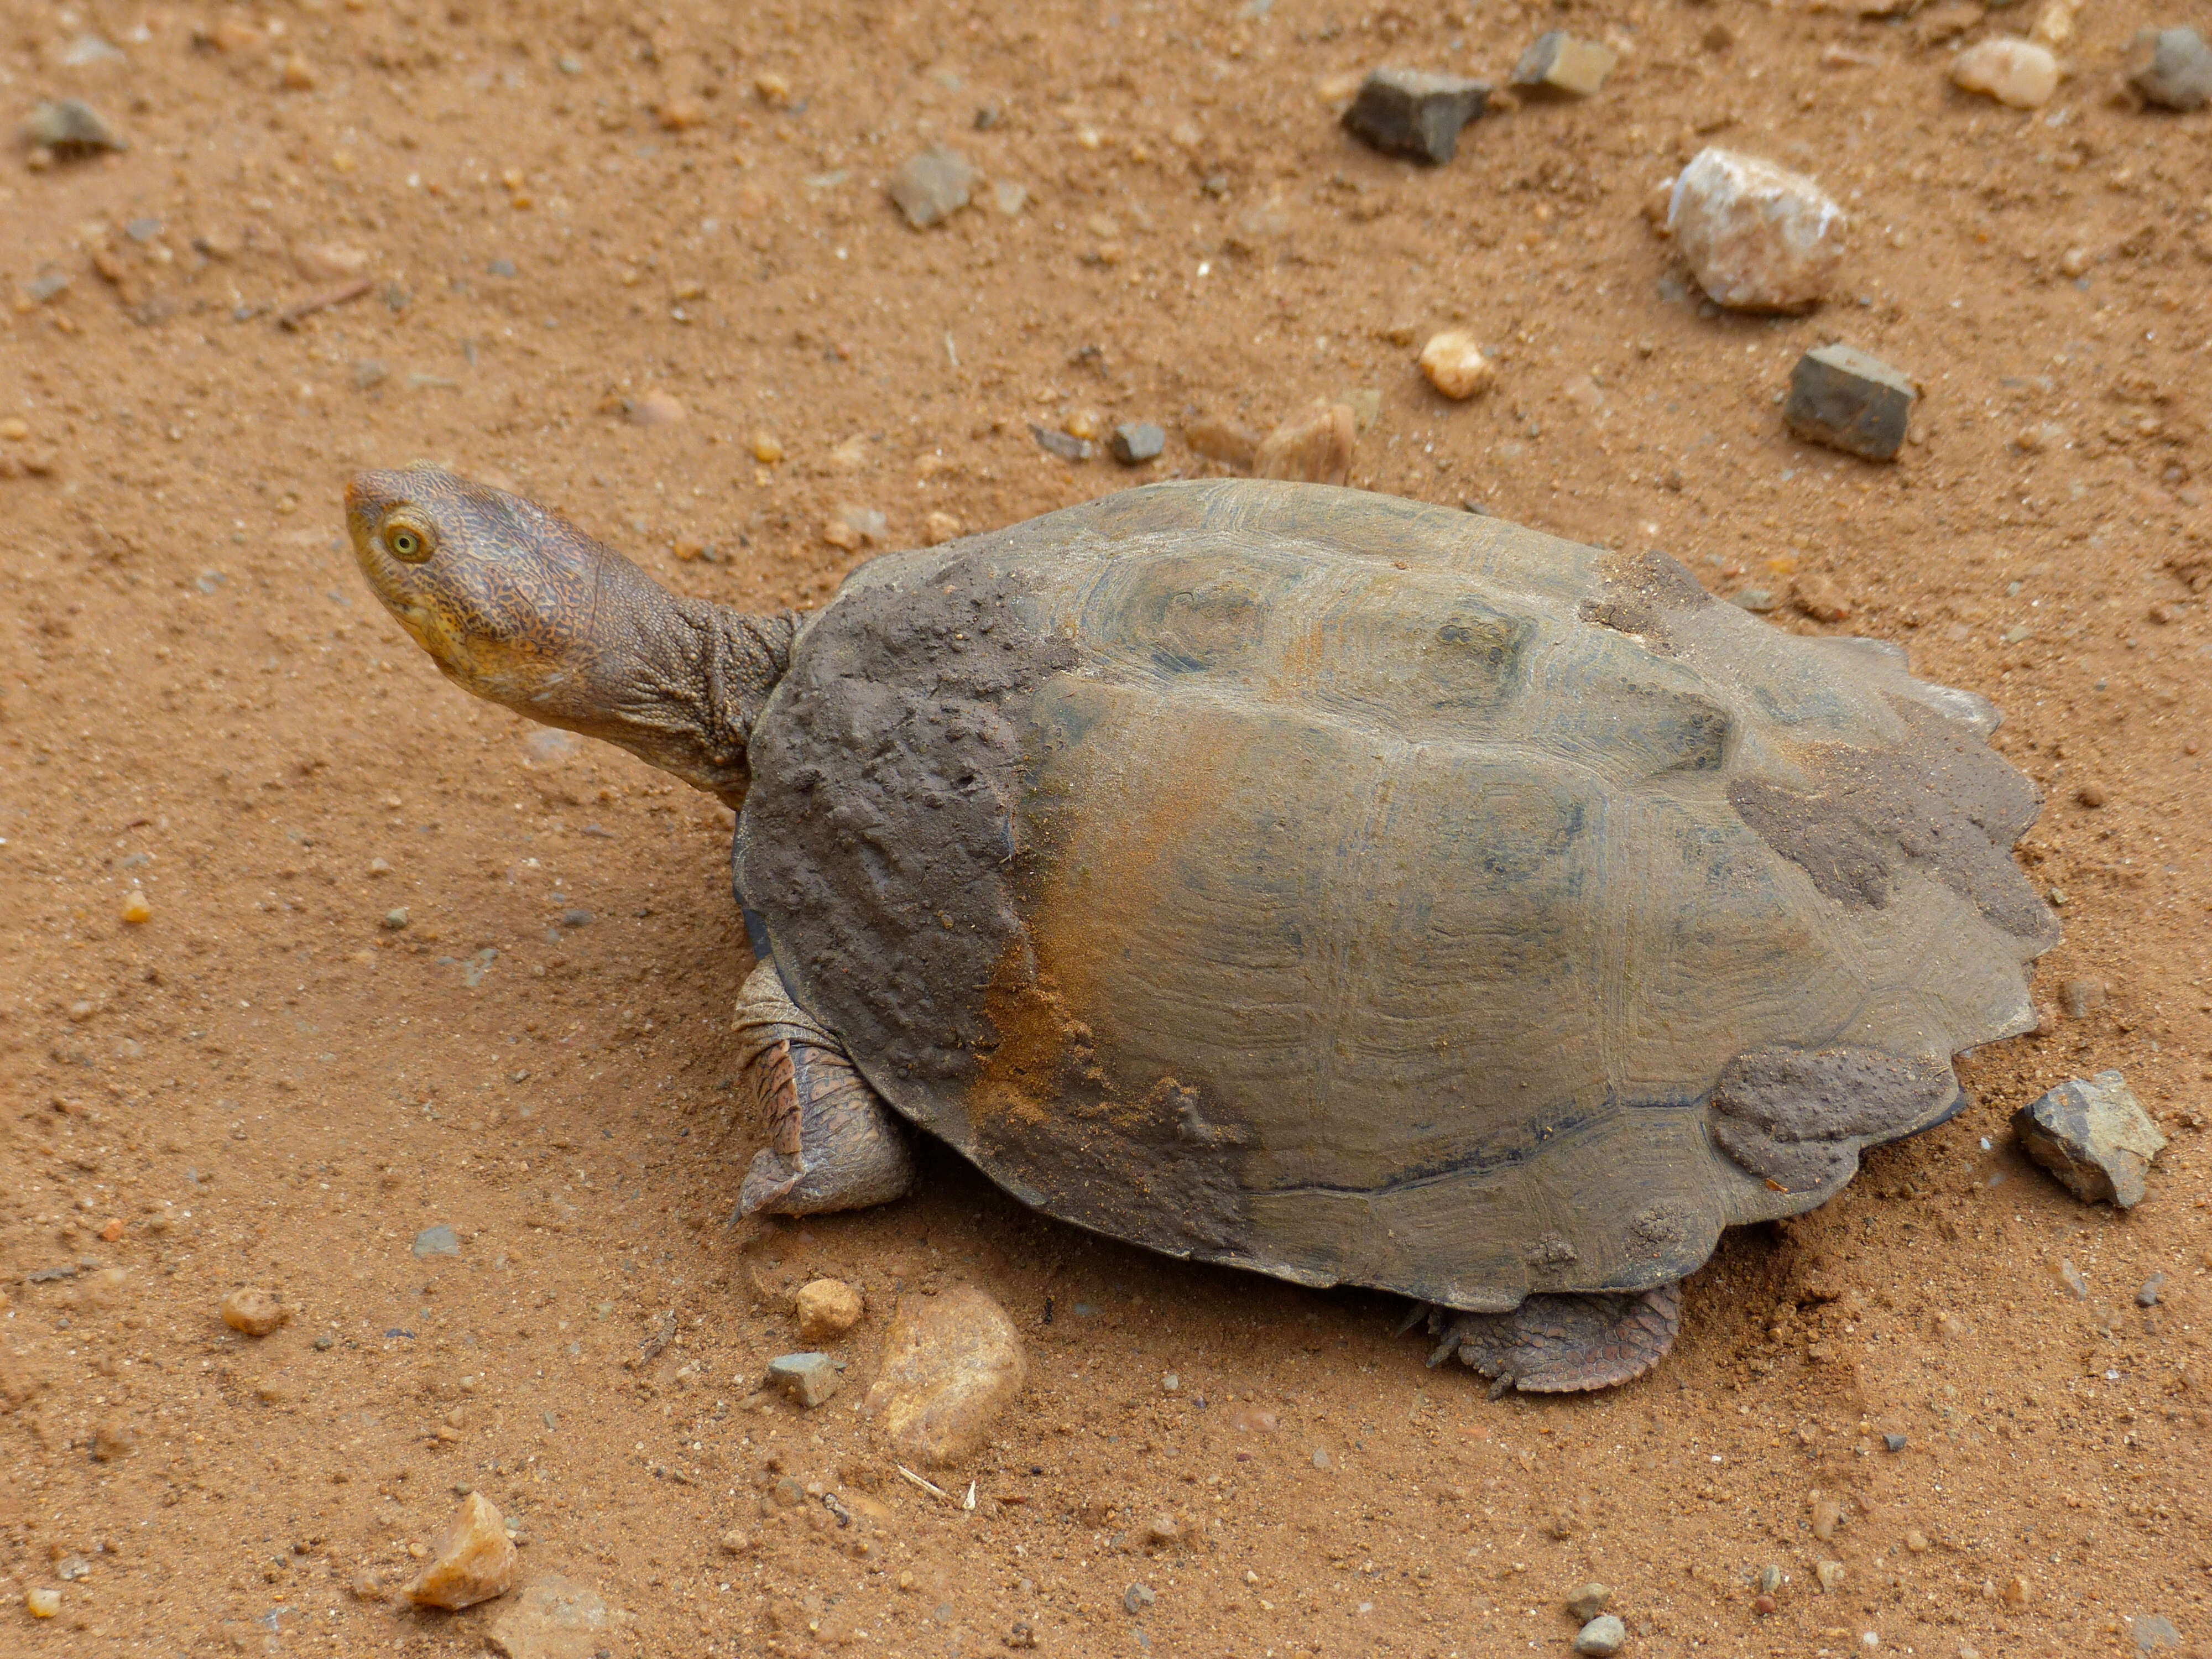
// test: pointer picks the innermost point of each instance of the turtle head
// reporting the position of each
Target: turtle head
(515, 603)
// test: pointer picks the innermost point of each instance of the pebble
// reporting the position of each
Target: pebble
(654, 409)
(70, 127)
(1321, 1460)
(2171, 68)
(1830, 1573)
(472, 1561)
(827, 1308)
(2014, 72)
(932, 187)
(1757, 236)
(2153, 1289)
(1138, 1598)
(253, 1311)
(1454, 364)
(1894, 1443)
(1759, 599)
(2082, 997)
(766, 449)
(1602, 1636)
(1557, 62)
(1842, 397)
(2071, 1277)
(1315, 447)
(137, 911)
(1411, 112)
(441, 1239)
(1818, 598)
(2093, 1135)
(369, 373)
(553, 1617)
(1064, 445)
(1136, 442)
(1916, 1541)
(1587, 1601)
(806, 1379)
(1218, 439)
(1163, 1532)
(44, 1601)
(113, 1439)
(2154, 1631)
(952, 1362)
(940, 527)
(396, 918)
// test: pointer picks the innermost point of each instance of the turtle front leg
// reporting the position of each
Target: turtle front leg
(833, 1145)
(1560, 1344)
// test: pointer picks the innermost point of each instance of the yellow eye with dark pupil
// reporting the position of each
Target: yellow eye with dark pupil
(407, 544)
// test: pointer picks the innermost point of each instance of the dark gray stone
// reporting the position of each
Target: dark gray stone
(930, 188)
(2153, 1289)
(70, 126)
(1136, 441)
(807, 1378)
(1842, 397)
(1064, 445)
(2171, 68)
(2094, 1137)
(1411, 112)
(1893, 1443)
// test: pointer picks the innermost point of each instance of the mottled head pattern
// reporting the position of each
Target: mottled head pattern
(515, 603)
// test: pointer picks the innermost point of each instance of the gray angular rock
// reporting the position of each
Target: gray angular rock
(1556, 62)
(441, 1239)
(70, 126)
(1602, 1636)
(1136, 441)
(2171, 68)
(1064, 445)
(2094, 1136)
(1587, 1601)
(1842, 397)
(807, 1378)
(1412, 112)
(932, 187)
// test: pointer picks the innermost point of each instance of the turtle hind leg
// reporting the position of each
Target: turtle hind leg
(1562, 1344)
(833, 1145)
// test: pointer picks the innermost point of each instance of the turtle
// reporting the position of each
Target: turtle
(1325, 883)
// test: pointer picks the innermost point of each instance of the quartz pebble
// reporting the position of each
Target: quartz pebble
(826, 1309)
(553, 1617)
(1315, 447)
(2094, 1137)
(1557, 62)
(70, 127)
(952, 1362)
(1455, 365)
(42, 1601)
(1410, 112)
(1756, 236)
(1842, 397)
(1587, 1601)
(2018, 73)
(472, 1560)
(2170, 68)
(1602, 1636)
(253, 1312)
(1136, 442)
(932, 187)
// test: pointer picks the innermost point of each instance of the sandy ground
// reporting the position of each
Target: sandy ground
(540, 216)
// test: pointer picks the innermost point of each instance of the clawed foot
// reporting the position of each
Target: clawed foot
(1560, 1344)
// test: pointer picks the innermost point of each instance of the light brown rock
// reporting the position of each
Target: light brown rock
(2018, 73)
(952, 1362)
(654, 409)
(253, 1311)
(827, 1308)
(472, 1561)
(1455, 365)
(1315, 447)
(1818, 598)
(1757, 237)
(552, 1619)
(1218, 439)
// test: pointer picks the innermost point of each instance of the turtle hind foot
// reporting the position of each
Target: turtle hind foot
(1562, 1344)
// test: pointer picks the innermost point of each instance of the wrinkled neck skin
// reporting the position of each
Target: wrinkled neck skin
(676, 681)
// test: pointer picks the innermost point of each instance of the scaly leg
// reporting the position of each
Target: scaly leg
(1560, 1344)
(833, 1145)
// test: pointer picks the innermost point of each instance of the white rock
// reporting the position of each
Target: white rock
(1454, 364)
(2015, 72)
(1757, 237)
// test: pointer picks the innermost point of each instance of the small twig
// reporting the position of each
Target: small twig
(292, 315)
(932, 1490)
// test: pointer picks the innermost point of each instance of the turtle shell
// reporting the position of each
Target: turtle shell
(1361, 891)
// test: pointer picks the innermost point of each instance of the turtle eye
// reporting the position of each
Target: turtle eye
(408, 543)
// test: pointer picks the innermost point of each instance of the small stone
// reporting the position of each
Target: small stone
(1770, 1577)
(2094, 1137)
(1021, 1636)
(766, 450)
(368, 373)
(1321, 1460)
(396, 918)
(299, 75)
(1602, 1636)
(113, 1441)
(472, 1560)
(2071, 1277)
(1218, 439)
(2152, 1289)
(1842, 397)
(827, 1308)
(501, 268)
(43, 1602)
(1818, 598)
(1163, 1532)
(1894, 1443)
(2082, 997)
(1827, 1516)
(1138, 1598)
(1086, 424)
(1757, 236)
(441, 1239)
(1315, 447)
(137, 911)
(2014, 72)
(870, 528)
(1410, 112)
(932, 187)
(1759, 599)
(1136, 442)
(2154, 1631)
(1830, 1573)
(552, 1619)
(681, 114)
(1454, 364)
(70, 127)
(938, 528)
(1064, 445)
(2090, 794)
(1916, 1541)
(2171, 68)
(654, 409)
(1557, 62)
(952, 1362)
(1587, 1601)
(806, 1379)
(71, 1568)
(1765, 1605)
(253, 1312)
(2017, 1592)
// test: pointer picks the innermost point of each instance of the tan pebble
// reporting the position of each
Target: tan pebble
(939, 528)
(253, 1311)
(851, 455)
(2017, 73)
(1916, 1541)
(1827, 1516)
(1218, 439)
(135, 910)
(766, 450)
(827, 1308)
(952, 1362)
(839, 534)
(1819, 599)
(1163, 1532)
(654, 409)
(472, 1561)
(1251, 1420)
(234, 35)
(2090, 794)
(737, 1543)
(299, 75)
(2017, 1592)
(682, 114)
(1455, 365)
(44, 1602)
(1401, 334)
(2054, 24)
(1086, 424)
(774, 90)
(112, 1231)
(14, 429)
(1831, 1574)
(329, 262)
(553, 1617)
(112, 1440)
(1315, 447)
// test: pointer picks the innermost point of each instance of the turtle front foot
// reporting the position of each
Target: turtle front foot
(833, 1145)
(1564, 1343)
